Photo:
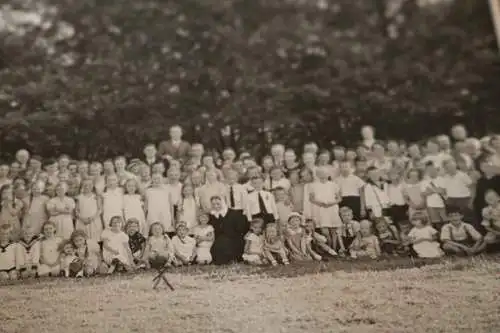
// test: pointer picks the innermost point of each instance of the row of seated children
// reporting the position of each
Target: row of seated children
(120, 249)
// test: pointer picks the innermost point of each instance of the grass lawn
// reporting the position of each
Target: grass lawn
(396, 296)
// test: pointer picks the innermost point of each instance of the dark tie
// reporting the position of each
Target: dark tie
(231, 196)
(262, 206)
(270, 183)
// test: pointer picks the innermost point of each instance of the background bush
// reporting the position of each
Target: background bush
(307, 70)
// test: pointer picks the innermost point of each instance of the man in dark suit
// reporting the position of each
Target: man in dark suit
(151, 157)
(175, 148)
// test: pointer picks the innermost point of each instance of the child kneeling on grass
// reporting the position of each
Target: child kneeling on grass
(423, 238)
(184, 246)
(159, 250)
(253, 253)
(313, 242)
(274, 246)
(459, 237)
(366, 244)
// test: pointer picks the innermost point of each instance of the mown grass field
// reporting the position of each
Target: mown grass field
(454, 295)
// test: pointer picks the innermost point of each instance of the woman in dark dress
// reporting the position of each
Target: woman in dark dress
(489, 180)
(230, 228)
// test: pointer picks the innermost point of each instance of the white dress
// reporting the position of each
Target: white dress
(63, 222)
(159, 208)
(425, 249)
(87, 208)
(133, 208)
(203, 248)
(188, 212)
(112, 204)
(119, 242)
(323, 217)
(49, 255)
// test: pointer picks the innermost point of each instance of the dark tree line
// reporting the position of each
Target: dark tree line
(302, 71)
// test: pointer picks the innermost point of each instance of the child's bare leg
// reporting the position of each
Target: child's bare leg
(326, 248)
(283, 257)
(333, 236)
(326, 232)
(270, 257)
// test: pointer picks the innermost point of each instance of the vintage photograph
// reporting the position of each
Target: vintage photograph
(241, 166)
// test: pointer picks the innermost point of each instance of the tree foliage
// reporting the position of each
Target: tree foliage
(309, 70)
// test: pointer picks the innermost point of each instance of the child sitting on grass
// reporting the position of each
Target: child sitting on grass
(254, 240)
(365, 244)
(9, 260)
(293, 238)
(159, 250)
(274, 246)
(423, 238)
(491, 218)
(71, 265)
(29, 253)
(348, 230)
(136, 241)
(404, 230)
(388, 236)
(49, 254)
(115, 249)
(204, 235)
(184, 246)
(314, 243)
(459, 237)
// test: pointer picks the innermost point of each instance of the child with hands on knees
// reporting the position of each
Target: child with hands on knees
(204, 234)
(274, 246)
(253, 253)
(459, 237)
(366, 244)
(159, 250)
(184, 246)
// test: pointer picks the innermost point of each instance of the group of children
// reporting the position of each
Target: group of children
(79, 218)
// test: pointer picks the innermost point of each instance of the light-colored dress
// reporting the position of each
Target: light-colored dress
(161, 246)
(118, 241)
(413, 193)
(323, 217)
(295, 237)
(187, 210)
(63, 221)
(49, 255)
(425, 249)
(203, 248)
(159, 208)
(133, 208)
(255, 252)
(112, 204)
(36, 213)
(88, 208)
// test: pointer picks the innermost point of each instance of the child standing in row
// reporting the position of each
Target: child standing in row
(88, 211)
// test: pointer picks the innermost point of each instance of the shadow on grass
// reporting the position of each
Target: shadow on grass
(240, 271)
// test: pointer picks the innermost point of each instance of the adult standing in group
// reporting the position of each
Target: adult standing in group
(230, 227)
(23, 157)
(368, 136)
(175, 148)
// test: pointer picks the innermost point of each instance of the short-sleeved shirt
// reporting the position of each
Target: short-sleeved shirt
(460, 233)
(458, 185)
(434, 200)
(350, 186)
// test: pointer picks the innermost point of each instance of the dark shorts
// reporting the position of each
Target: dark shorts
(34, 268)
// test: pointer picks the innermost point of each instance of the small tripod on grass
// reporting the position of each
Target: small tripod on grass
(160, 264)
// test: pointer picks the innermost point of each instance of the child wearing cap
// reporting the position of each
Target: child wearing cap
(459, 237)
(184, 246)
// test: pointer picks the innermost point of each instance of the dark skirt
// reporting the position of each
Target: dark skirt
(353, 202)
(398, 214)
